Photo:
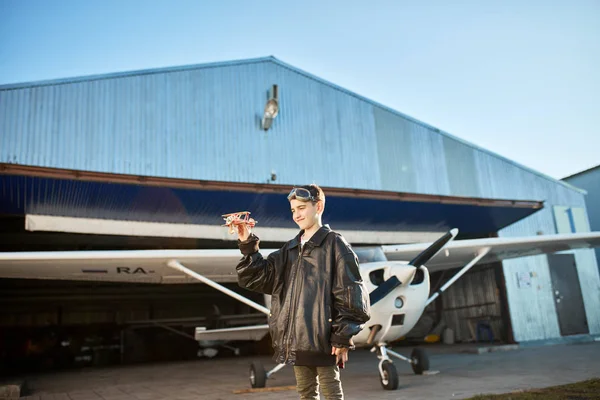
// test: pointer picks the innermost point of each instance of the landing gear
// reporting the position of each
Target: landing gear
(388, 375)
(258, 375)
(419, 361)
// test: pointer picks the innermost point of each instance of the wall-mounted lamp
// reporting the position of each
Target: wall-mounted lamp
(271, 108)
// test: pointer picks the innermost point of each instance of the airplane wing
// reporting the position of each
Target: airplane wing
(150, 266)
(455, 254)
(140, 266)
(255, 333)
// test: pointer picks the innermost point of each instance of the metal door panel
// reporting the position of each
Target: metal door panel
(567, 294)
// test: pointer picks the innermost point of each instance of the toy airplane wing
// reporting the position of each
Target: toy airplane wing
(237, 218)
(456, 253)
(236, 213)
(255, 333)
(140, 266)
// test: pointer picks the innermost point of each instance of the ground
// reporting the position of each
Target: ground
(460, 376)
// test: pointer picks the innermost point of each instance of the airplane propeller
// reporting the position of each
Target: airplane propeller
(432, 250)
(393, 282)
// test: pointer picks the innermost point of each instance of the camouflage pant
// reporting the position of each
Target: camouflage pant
(309, 379)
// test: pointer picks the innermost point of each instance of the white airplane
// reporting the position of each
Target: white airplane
(399, 290)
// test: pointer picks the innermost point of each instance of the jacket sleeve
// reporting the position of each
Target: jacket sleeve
(254, 272)
(350, 297)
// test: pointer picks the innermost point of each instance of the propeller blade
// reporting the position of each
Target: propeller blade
(432, 250)
(384, 289)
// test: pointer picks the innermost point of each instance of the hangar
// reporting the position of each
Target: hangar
(151, 159)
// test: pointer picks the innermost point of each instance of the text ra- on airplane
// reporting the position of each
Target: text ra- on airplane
(399, 290)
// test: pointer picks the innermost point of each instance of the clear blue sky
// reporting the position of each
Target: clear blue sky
(519, 78)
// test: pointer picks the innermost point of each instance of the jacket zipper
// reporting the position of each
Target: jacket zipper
(349, 299)
(292, 309)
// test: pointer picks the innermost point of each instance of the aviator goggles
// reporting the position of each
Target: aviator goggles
(301, 194)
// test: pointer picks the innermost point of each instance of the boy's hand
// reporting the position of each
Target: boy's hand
(243, 232)
(341, 356)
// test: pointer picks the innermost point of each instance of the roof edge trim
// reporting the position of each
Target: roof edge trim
(44, 172)
(585, 171)
(138, 72)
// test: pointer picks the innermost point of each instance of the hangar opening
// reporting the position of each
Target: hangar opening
(49, 324)
(474, 308)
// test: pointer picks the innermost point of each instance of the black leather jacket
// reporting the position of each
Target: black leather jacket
(318, 297)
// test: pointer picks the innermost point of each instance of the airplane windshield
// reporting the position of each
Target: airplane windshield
(369, 254)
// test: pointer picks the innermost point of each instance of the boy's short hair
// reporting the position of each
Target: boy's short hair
(316, 191)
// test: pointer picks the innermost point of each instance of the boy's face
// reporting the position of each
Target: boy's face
(306, 213)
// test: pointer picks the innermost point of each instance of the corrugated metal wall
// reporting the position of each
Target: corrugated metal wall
(191, 123)
(200, 124)
(203, 122)
(532, 309)
(590, 182)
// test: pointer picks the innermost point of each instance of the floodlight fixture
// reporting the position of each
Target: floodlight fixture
(271, 108)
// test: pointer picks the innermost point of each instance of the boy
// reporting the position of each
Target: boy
(318, 298)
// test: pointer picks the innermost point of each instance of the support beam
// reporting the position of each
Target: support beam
(482, 253)
(277, 368)
(399, 356)
(178, 266)
(177, 331)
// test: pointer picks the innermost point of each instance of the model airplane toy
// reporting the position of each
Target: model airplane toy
(232, 220)
(399, 290)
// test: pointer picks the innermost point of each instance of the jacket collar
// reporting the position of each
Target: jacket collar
(316, 239)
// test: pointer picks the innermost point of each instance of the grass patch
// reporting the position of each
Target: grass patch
(585, 390)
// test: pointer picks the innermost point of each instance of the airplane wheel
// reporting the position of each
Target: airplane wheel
(420, 361)
(389, 380)
(258, 375)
